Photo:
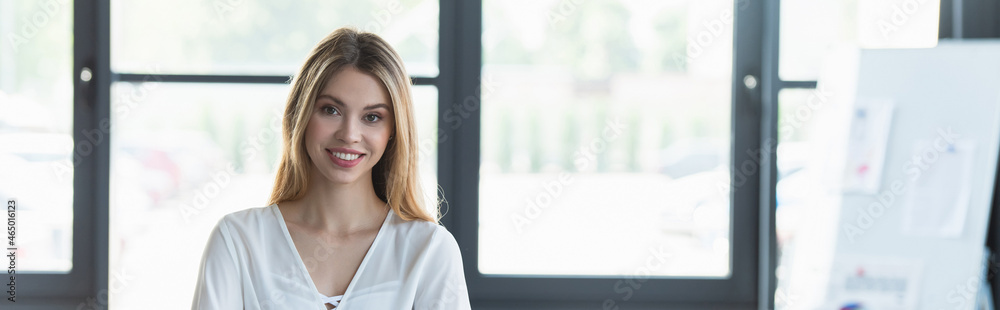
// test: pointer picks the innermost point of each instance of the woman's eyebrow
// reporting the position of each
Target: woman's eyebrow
(341, 103)
(376, 106)
(331, 98)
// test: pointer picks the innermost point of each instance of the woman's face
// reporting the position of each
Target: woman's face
(350, 126)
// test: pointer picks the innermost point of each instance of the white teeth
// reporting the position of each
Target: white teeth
(346, 156)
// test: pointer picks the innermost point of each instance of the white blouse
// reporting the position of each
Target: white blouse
(250, 262)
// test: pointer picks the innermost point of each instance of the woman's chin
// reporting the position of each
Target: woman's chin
(341, 180)
(342, 177)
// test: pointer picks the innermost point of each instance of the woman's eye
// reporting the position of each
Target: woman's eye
(372, 118)
(329, 110)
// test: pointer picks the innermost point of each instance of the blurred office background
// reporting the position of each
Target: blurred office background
(592, 154)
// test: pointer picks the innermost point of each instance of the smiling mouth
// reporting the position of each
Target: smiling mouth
(345, 160)
(344, 156)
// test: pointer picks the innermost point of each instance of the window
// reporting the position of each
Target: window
(606, 138)
(37, 154)
(811, 30)
(577, 162)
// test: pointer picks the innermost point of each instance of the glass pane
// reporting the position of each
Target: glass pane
(36, 124)
(184, 155)
(811, 29)
(898, 23)
(606, 137)
(426, 111)
(258, 36)
(810, 121)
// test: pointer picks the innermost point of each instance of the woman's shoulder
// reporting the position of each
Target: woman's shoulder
(428, 235)
(248, 221)
(419, 229)
(250, 214)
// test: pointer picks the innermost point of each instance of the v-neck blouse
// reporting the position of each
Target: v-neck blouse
(250, 262)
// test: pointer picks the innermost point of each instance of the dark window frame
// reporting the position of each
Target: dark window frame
(84, 283)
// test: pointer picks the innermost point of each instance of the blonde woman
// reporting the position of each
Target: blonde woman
(346, 227)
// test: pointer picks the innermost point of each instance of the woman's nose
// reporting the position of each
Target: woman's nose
(348, 132)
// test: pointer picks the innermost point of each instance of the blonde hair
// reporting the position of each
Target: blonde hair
(395, 175)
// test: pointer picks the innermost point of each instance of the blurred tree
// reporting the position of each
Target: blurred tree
(507, 142)
(571, 132)
(239, 135)
(633, 149)
(536, 148)
(670, 27)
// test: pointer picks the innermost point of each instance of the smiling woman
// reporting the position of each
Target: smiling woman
(345, 225)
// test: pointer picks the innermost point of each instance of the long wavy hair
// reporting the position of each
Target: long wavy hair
(395, 175)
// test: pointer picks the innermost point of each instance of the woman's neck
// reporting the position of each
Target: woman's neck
(339, 208)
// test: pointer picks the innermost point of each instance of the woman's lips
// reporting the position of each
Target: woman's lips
(344, 162)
